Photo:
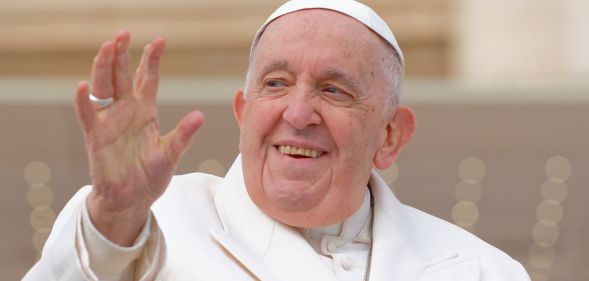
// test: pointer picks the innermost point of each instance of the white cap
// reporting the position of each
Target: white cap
(356, 10)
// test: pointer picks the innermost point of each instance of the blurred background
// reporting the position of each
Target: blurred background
(500, 88)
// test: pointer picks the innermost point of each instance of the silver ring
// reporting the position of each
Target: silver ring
(100, 102)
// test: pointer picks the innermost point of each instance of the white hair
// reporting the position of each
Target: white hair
(393, 70)
(391, 66)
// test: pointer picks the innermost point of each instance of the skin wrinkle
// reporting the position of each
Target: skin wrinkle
(295, 109)
(274, 66)
(335, 75)
(345, 78)
(390, 63)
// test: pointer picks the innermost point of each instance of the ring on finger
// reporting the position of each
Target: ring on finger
(100, 102)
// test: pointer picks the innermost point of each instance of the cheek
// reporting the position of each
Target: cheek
(357, 138)
(258, 121)
(350, 129)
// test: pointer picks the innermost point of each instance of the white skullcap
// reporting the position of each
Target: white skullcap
(356, 10)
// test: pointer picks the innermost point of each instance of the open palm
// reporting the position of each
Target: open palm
(130, 163)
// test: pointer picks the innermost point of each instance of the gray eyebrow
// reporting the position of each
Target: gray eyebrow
(274, 65)
(332, 74)
(344, 78)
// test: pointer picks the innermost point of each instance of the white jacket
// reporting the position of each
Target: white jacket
(213, 231)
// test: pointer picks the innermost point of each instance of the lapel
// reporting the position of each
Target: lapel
(269, 249)
(405, 249)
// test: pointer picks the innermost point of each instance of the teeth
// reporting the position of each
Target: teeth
(291, 150)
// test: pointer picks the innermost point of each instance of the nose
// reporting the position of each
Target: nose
(300, 111)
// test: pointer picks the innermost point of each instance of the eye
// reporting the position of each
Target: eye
(274, 83)
(273, 87)
(338, 96)
(331, 90)
(336, 93)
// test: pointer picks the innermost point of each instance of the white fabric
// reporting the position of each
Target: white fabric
(344, 246)
(356, 10)
(213, 231)
(101, 259)
(350, 229)
(108, 260)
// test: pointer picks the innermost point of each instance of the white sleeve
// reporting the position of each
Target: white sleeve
(102, 259)
(74, 253)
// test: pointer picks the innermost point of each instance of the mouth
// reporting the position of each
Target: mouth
(299, 152)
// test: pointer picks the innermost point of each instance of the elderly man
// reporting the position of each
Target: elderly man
(320, 108)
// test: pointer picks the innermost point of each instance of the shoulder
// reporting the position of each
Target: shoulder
(495, 264)
(193, 184)
(186, 211)
(189, 198)
(187, 190)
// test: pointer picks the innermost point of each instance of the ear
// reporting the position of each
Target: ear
(238, 105)
(398, 132)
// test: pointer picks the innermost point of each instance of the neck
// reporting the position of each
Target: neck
(353, 228)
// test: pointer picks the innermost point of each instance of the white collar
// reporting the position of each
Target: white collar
(352, 229)
(271, 248)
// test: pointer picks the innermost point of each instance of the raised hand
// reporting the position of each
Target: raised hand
(130, 163)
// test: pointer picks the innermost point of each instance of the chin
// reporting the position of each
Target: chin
(293, 196)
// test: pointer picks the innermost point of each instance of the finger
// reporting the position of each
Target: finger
(84, 109)
(122, 79)
(180, 139)
(147, 77)
(102, 86)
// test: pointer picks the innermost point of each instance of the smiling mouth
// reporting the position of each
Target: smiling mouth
(299, 152)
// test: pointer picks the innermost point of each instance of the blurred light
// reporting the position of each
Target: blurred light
(470, 229)
(541, 257)
(465, 214)
(393, 188)
(390, 174)
(549, 212)
(39, 239)
(539, 272)
(554, 190)
(536, 276)
(468, 192)
(471, 170)
(558, 168)
(39, 195)
(36, 173)
(212, 166)
(545, 235)
(42, 218)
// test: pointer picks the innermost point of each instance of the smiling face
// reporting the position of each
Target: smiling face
(313, 123)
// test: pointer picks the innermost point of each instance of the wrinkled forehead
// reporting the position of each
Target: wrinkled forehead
(353, 9)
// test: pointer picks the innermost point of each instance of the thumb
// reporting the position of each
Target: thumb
(180, 139)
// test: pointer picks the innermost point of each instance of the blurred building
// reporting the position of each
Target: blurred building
(501, 90)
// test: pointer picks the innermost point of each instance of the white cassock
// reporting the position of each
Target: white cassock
(207, 228)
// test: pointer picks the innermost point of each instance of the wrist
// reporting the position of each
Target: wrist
(121, 226)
